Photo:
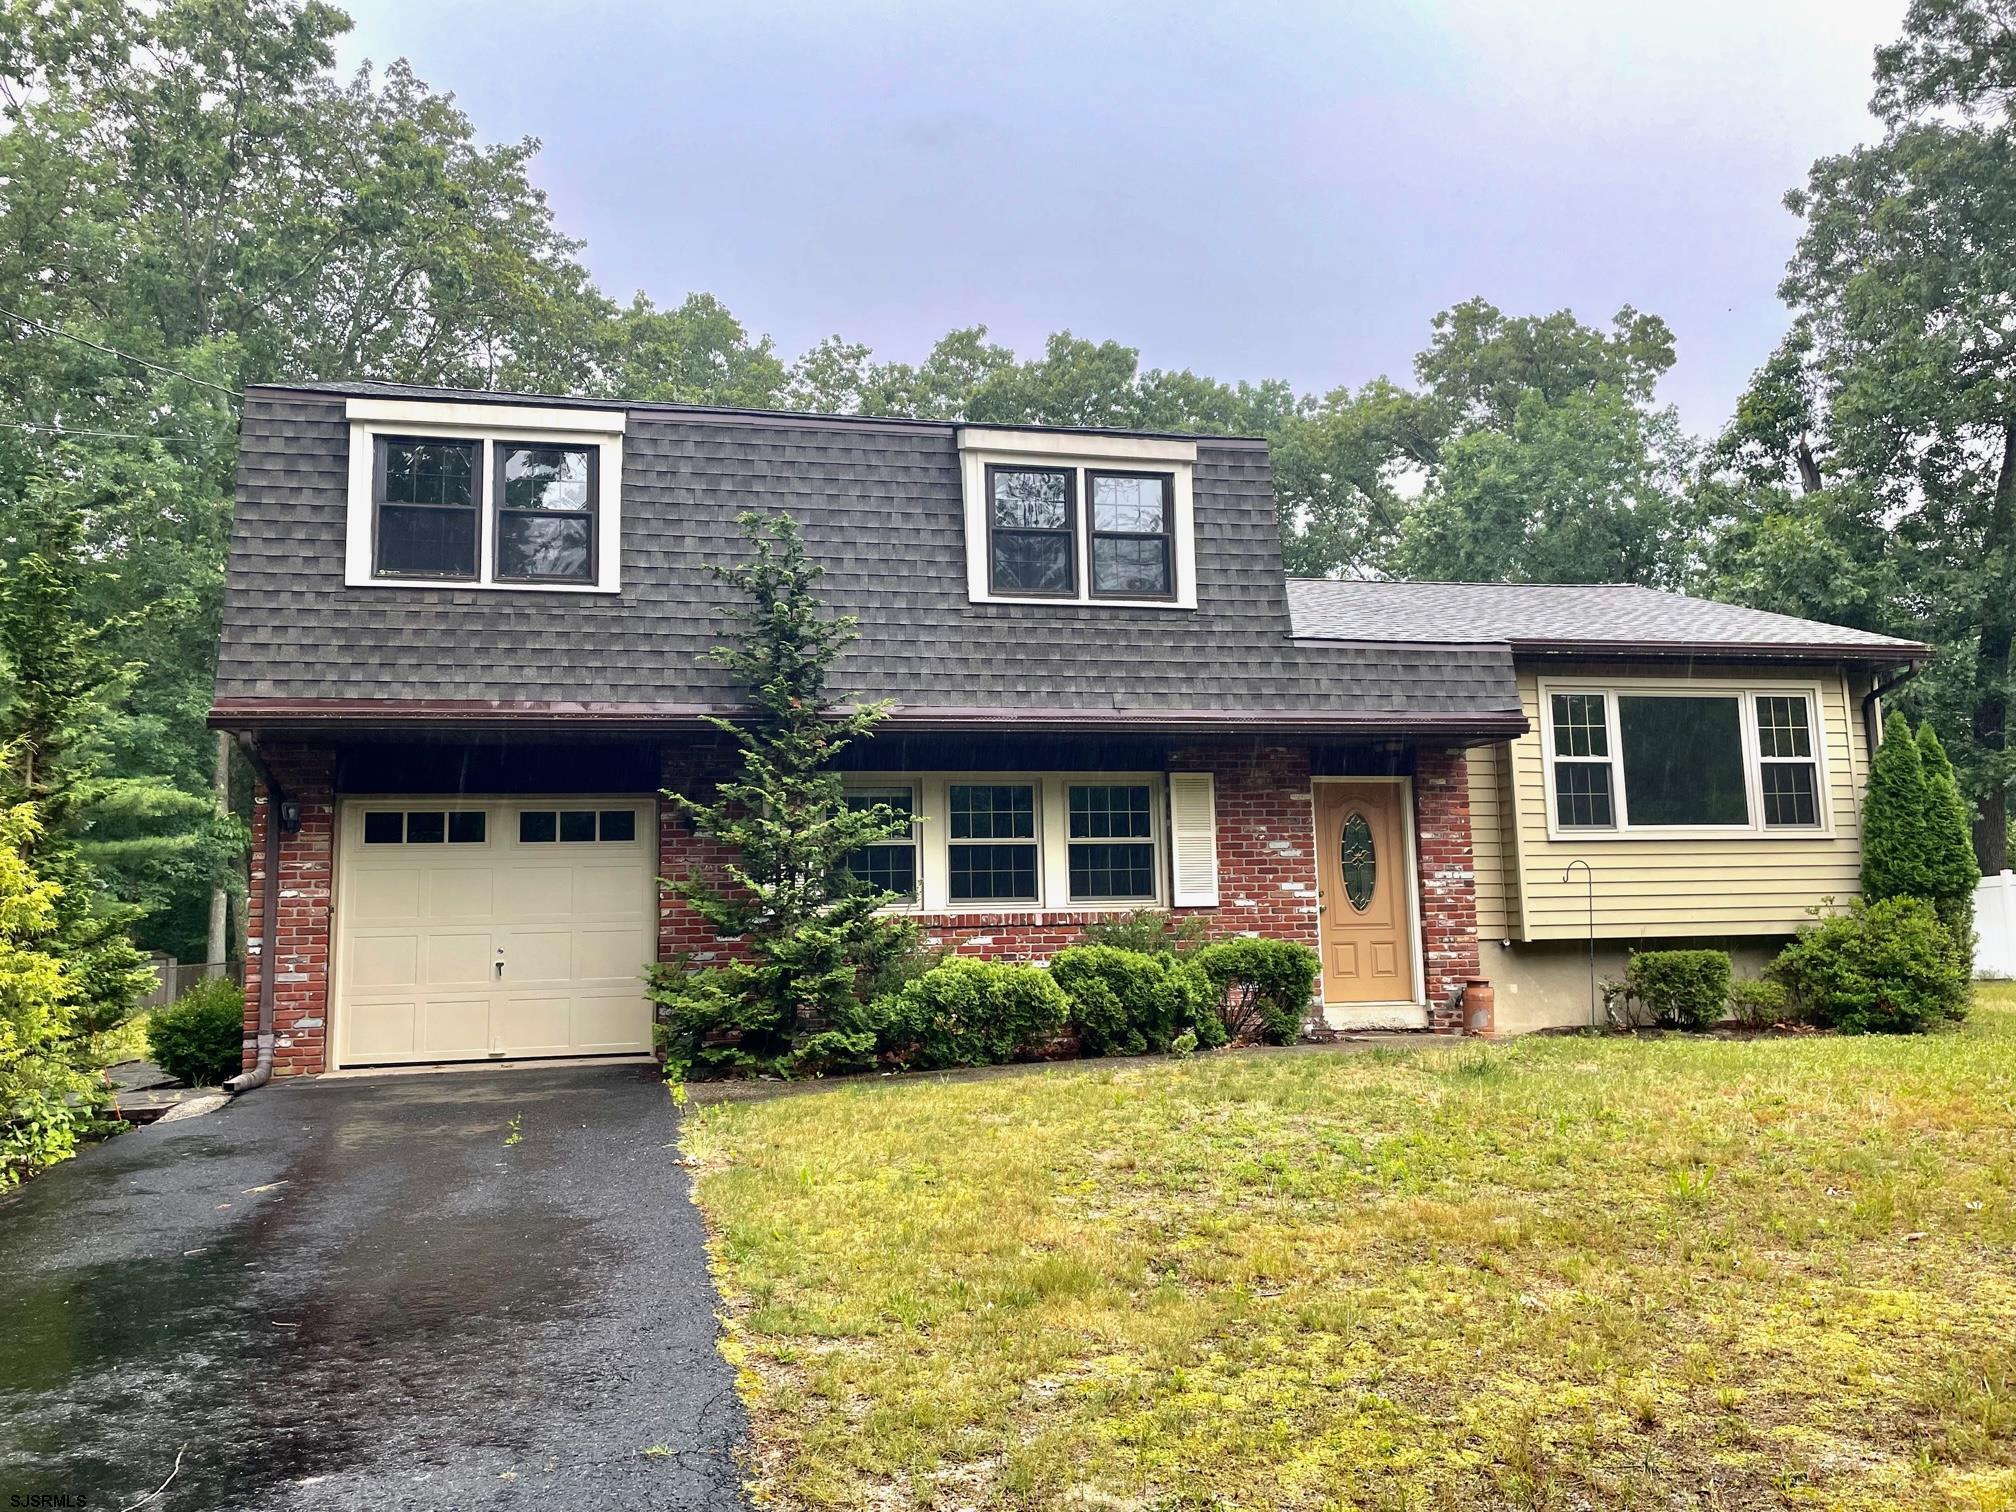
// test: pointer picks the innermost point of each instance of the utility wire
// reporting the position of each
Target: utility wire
(64, 430)
(123, 356)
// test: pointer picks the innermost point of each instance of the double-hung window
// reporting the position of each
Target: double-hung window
(1111, 838)
(427, 507)
(889, 864)
(1032, 530)
(1643, 758)
(546, 513)
(991, 845)
(1133, 527)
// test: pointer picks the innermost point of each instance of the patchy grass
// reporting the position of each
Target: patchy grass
(1556, 1273)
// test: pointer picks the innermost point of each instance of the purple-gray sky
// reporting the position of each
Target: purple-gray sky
(1250, 191)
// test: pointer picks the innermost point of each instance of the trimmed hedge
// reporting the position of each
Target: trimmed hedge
(1263, 987)
(200, 1037)
(1125, 1002)
(1688, 989)
(968, 1012)
(1880, 968)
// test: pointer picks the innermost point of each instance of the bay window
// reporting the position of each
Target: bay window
(1647, 758)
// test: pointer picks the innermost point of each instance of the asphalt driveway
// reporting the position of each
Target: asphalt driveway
(362, 1293)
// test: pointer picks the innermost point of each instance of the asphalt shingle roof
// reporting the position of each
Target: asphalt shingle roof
(880, 506)
(1563, 616)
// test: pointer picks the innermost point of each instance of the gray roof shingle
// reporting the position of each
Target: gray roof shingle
(1567, 616)
(879, 503)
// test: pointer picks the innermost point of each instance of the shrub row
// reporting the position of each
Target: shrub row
(1888, 967)
(966, 1011)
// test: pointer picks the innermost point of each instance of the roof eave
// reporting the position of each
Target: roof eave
(327, 716)
(1883, 654)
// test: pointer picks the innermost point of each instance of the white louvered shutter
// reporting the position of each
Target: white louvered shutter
(1193, 839)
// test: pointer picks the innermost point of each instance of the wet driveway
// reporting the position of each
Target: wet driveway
(365, 1294)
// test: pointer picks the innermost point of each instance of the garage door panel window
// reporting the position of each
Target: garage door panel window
(1642, 759)
(577, 826)
(425, 827)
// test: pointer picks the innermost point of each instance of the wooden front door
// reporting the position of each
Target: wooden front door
(1365, 892)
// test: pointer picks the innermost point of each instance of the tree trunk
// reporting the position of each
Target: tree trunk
(220, 895)
(1810, 480)
(1991, 669)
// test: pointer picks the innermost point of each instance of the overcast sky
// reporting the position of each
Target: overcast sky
(1250, 191)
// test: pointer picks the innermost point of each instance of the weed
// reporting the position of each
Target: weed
(514, 1131)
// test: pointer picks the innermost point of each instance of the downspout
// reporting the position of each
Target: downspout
(269, 924)
(1872, 728)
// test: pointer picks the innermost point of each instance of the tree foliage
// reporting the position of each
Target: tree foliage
(813, 941)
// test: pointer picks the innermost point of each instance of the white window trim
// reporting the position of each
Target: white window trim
(488, 425)
(1746, 693)
(931, 798)
(981, 447)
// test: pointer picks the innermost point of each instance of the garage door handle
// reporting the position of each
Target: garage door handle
(500, 965)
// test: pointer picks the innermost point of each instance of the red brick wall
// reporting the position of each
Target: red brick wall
(1448, 881)
(1266, 861)
(301, 952)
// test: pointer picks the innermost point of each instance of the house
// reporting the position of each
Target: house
(463, 650)
(1691, 773)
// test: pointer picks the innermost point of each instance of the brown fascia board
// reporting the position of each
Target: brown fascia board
(255, 715)
(1808, 651)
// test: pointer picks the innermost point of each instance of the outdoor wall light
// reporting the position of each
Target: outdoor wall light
(290, 817)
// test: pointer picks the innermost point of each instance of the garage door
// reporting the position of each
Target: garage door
(487, 929)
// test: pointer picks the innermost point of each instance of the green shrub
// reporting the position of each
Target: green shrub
(1759, 1004)
(1148, 931)
(1126, 1003)
(967, 1012)
(200, 1037)
(1262, 987)
(1688, 989)
(1880, 968)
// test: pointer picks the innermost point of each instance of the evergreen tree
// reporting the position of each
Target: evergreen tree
(1949, 821)
(1896, 817)
(813, 939)
(59, 678)
(46, 1097)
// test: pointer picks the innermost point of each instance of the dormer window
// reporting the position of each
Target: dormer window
(455, 495)
(1031, 531)
(546, 514)
(428, 514)
(1055, 516)
(1133, 522)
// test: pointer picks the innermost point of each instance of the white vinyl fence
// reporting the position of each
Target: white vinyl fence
(1995, 926)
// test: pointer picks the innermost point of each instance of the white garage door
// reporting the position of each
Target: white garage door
(481, 929)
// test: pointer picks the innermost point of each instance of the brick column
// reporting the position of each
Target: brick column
(681, 853)
(301, 950)
(1448, 882)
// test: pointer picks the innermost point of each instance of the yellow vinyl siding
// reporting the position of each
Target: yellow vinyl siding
(1491, 842)
(1656, 886)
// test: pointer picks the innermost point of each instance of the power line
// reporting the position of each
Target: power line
(123, 356)
(64, 430)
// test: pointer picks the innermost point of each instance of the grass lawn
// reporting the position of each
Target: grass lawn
(1554, 1273)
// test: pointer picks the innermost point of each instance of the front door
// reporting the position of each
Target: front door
(1364, 892)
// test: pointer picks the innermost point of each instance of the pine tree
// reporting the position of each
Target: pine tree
(811, 932)
(1949, 825)
(1896, 839)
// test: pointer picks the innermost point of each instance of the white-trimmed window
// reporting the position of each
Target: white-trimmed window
(988, 842)
(459, 495)
(1052, 516)
(891, 862)
(1681, 759)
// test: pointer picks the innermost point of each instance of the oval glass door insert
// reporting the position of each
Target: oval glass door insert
(1361, 863)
